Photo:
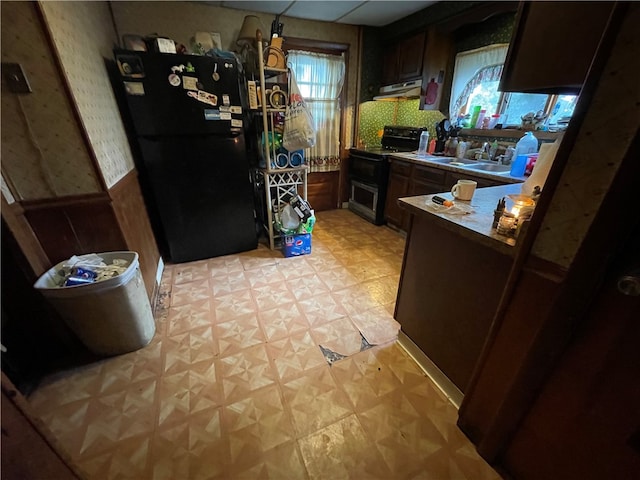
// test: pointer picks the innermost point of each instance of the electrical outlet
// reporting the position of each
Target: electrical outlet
(15, 77)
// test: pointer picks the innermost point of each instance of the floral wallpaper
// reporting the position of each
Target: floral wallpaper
(43, 152)
(375, 115)
(409, 114)
(83, 34)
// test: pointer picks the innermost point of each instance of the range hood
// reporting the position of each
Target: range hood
(399, 91)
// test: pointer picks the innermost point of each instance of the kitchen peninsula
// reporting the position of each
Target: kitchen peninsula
(453, 273)
(412, 174)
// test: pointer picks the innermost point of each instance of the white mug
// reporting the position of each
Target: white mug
(464, 189)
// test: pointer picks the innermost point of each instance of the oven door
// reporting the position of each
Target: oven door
(367, 169)
(363, 200)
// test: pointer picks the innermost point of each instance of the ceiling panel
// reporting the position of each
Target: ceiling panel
(323, 11)
(378, 14)
(257, 6)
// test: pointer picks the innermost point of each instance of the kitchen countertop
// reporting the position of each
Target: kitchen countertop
(476, 225)
(431, 161)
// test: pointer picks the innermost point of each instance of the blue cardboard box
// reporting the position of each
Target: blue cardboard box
(296, 245)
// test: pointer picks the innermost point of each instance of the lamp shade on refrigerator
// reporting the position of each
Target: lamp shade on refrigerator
(188, 115)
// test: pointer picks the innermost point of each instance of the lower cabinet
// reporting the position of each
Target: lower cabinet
(407, 179)
(453, 177)
(399, 175)
(449, 291)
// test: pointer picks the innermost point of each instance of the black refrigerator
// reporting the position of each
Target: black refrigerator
(188, 114)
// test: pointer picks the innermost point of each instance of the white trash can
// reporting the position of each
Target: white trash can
(109, 317)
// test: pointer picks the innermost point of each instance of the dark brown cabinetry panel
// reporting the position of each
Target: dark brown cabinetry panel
(402, 61)
(322, 190)
(75, 226)
(437, 52)
(408, 179)
(452, 179)
(398, 187)
(553, 45)
(448, 294)
(410, 53)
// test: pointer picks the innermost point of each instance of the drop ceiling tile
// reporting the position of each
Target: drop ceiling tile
(322, 11)
(383, 13)
(257, 6)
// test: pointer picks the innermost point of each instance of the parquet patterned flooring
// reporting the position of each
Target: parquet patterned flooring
(234, 384)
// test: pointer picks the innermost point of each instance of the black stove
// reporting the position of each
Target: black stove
(369, 170)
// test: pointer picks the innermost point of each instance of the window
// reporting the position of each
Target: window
(320, 78)
(476, 79)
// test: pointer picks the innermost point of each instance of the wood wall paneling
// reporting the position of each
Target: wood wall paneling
(519, 329)
(131, 214)
(85, 224)
(29, 449)
(322, 190)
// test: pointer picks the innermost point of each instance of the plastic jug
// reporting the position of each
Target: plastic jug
(527, 144)
(424, 143)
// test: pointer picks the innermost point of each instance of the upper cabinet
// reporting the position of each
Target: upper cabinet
(403, 60)
(437, 53)
(553, 45)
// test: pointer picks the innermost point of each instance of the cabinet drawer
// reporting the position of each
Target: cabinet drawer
(401, 168)
(429, 174)
(452, 179)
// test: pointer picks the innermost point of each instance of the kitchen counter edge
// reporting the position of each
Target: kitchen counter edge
(476, 226)
(411, 157)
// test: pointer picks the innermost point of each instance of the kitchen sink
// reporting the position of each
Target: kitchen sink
(452, 160)
(490, 167)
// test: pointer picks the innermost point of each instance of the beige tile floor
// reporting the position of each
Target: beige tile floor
(235, 384)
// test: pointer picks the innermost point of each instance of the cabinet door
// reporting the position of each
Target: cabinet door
(452, 179)
(410, 53)
(418, 187)
(390, 65)
(553, 45)
(398, 187)
(437, 52)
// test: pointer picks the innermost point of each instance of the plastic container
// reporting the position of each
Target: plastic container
(109, 317)
(475, 111)
(518, 166)
(531, 162)
(424, 143)
(480, 118)
(527, 144)
(494, 120)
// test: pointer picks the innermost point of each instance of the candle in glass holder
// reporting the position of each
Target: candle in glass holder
(506, 224)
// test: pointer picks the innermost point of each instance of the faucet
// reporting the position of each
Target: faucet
(483, 152)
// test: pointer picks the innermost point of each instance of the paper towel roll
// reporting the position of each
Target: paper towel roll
(541, 169)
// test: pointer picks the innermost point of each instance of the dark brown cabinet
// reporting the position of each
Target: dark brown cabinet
(552, 46)
(449, 290)
(453, 177)
(402, 61)
(398, 187)
(407, 179)
(437, 52)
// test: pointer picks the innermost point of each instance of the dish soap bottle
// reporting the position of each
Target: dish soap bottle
(424, 143)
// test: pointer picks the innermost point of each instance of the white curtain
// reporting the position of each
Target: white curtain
(472, 68)
(320, 78)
